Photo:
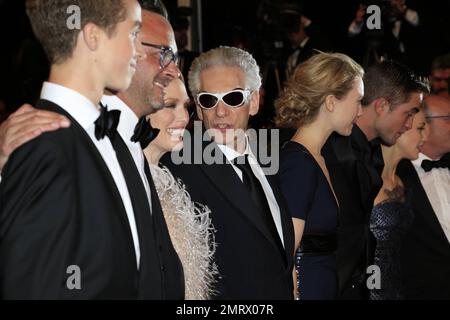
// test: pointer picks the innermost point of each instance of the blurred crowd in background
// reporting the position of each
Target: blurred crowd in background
(279, 33)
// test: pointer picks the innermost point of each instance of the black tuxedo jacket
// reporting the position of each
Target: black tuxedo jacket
(356, 179)
(250, 263)
(60, 207)
(425, 251)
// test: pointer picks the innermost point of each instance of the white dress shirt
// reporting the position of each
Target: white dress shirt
(85, 113)
(231, 154)
(437, 187)
(127, 123)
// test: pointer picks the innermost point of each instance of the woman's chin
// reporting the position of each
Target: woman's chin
(413, 155)
(346, 131)
(176, 147)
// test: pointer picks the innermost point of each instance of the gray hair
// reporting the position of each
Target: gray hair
(228, 57)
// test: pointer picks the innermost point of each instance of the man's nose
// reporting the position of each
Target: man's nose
(172, 70)
(221, 109)
(409, 122)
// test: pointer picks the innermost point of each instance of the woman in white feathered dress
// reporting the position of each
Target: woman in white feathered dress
(189, 223)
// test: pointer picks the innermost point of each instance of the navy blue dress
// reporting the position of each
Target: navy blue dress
(311, 199)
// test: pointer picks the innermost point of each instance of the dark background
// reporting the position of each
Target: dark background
(23, 66)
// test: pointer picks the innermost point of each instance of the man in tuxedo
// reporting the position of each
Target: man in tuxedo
(144, 96)
(254, 232)
(393, 94)
(121, 251)
(425, 252)
(303, 37)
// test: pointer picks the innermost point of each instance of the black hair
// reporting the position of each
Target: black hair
(393, 81)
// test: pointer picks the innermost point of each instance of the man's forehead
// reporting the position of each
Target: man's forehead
(414, 101)
(224, 76)
(156, 29)
(441, 106)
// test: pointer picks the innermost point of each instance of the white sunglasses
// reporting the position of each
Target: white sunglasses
(234, 98)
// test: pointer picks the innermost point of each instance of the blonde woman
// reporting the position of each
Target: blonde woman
(323, 96)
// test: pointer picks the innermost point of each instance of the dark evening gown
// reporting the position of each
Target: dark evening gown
(389, 223)
(311, 199)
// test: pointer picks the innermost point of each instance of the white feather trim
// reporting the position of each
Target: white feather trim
(191, 232)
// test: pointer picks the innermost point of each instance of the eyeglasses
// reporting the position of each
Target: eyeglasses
(234, 98)
(446, 117)
(166, 55)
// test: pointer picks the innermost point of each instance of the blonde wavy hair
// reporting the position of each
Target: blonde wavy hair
(321, 75)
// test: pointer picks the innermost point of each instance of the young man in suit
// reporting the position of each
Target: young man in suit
(425, 252)
(254, 232)
(79, 209)
(393, 95)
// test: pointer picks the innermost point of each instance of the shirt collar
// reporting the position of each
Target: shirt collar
(77, 105)
(231, 154)
(128, 119)
(304, 42)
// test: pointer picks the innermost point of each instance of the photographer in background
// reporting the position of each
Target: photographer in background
(303, 39)
(399, 31)
(285, 37)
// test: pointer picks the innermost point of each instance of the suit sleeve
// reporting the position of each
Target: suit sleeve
(187, 173)
(36, 207)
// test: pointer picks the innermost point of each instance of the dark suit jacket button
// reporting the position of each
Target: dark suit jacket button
(163, 267)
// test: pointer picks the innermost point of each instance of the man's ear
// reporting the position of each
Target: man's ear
(382, 106)
(91, 36)
(254, 103)
(199, 112)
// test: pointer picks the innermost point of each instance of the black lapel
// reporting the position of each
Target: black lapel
(226, 181)
(156, 203)
(102, 167)
(421, 204)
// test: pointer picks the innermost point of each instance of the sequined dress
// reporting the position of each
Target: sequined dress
(389, 222)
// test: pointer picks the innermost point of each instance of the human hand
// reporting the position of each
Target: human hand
(399, 6)
(24, 125)
(360, 13)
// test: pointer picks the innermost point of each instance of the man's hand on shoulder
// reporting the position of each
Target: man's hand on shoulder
(24, 125)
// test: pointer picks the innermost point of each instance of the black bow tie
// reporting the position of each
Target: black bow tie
(144, 133)
(106, 123)
(428, 165)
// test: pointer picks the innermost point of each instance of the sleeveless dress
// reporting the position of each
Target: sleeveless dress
(389, 222)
